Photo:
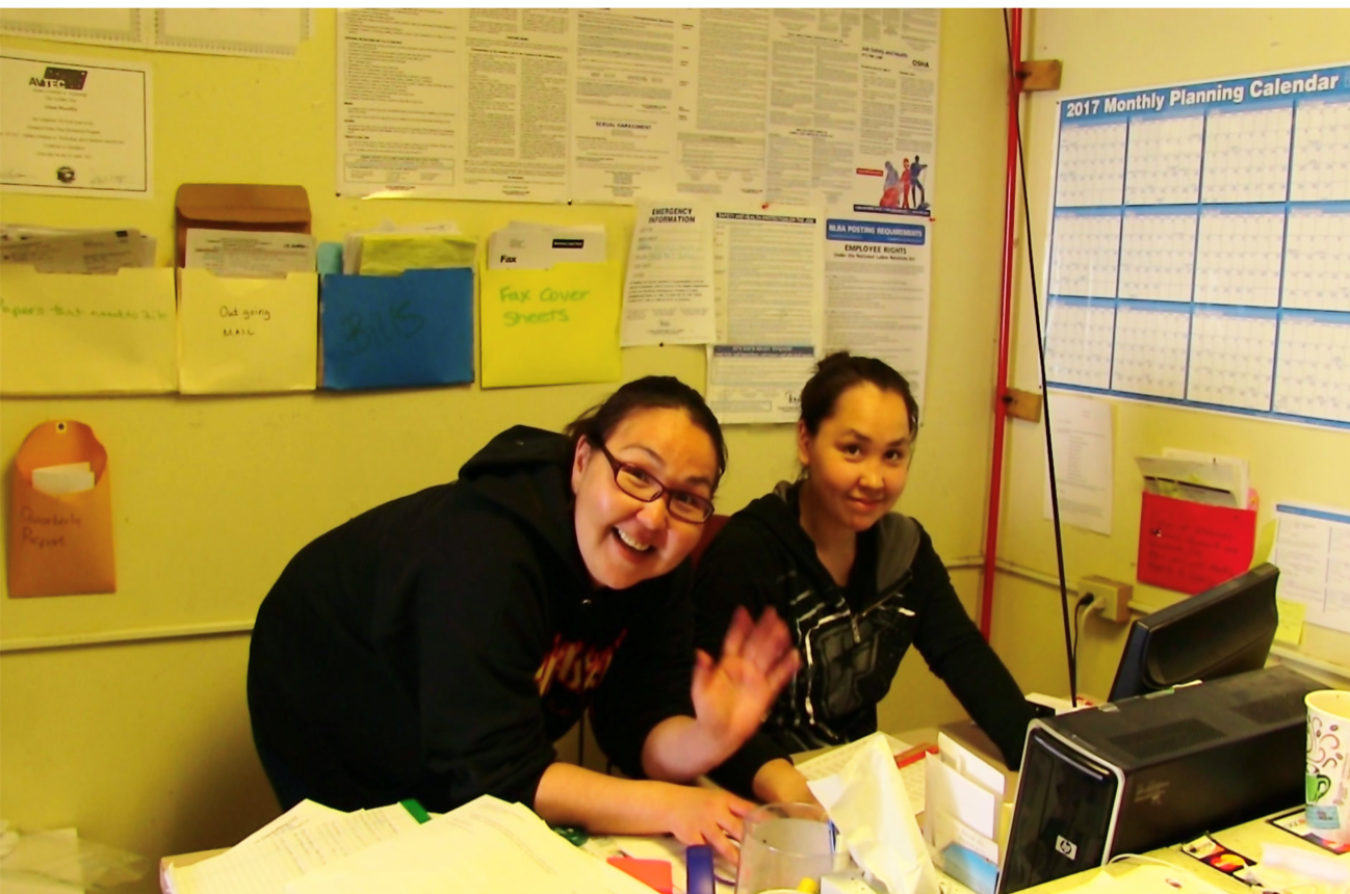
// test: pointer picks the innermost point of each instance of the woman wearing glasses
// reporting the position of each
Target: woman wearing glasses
(436, 646)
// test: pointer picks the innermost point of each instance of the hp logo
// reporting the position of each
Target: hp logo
(1066, 847)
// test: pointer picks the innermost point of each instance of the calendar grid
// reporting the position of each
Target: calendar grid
(1200, 246)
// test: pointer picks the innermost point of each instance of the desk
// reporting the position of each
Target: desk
(1247, 839)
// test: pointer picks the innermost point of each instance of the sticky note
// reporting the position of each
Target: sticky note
(1290, 629)
(655, 874)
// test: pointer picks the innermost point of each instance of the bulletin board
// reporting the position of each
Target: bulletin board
(1200, 246)
(211, 496)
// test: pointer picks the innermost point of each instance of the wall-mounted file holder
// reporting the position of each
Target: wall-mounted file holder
(68, 333)
(1189, 547)
(397, 331)
(238, 335)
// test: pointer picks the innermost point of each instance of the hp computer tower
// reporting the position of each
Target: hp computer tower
(1155, 770)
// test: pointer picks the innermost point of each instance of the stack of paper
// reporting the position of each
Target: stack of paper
(486, 845)
(1198, 477)
(964, 808)
(60, 250)
(301, 841)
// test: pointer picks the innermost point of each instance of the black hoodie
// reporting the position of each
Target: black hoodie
(851, 638)
(436, 646)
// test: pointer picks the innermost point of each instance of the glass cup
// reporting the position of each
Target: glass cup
(784, 844)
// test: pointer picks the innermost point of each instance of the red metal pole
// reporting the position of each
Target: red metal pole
(1004, 327)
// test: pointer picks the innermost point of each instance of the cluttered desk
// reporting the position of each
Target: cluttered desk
(1124, 796)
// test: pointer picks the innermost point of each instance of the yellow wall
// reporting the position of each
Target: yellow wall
(1106, 51)
(124, 714)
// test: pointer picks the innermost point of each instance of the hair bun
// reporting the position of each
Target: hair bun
(830, 361)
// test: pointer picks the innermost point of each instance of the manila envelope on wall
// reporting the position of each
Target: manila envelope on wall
(60, 544)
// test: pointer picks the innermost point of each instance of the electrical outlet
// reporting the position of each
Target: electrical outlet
(1111, 597)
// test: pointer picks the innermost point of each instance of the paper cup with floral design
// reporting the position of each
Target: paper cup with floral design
(1327, 800)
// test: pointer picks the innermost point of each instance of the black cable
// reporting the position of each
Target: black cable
(1040, 353)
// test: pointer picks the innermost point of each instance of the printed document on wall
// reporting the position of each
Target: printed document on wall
(877, 278)
(400, 102)
(1080, 428)
(897, 125)
(75, 126)
(758, 383)
(519, 88)
(723, 97)
(668, 298)
(623, 127)
(1312, 550)
(770, 274)
(814, 106)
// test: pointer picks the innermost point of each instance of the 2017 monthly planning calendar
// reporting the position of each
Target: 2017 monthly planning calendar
(1200, 246)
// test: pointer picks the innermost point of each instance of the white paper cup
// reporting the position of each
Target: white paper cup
(1327, 796)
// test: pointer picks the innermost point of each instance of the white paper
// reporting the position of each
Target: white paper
(897, 127)
(1198, 477)
(518, 98)
(93, 251)
(833, 761)
(758, 383)
(624, 118)
(400, 127)
(770, 276)
(486, 845)
(814, 106)
(723, 103)
(251, 254)
(971, 765)
(275, 33)
(530, 246)
(953, 794)
(946, 830)
(668, 295)
(1312, 550)
(1082, 435)
(877, 288)
(301, 814)
(266, 864)
(69, 478)
(224, 32)
(115, 27)
(868, 803)
(75, 126)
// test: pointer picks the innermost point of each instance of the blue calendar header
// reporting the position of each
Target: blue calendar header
(1288, 86)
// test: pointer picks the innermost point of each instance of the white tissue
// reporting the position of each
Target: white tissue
(868, 803)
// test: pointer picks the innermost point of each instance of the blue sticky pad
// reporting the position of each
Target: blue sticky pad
(970, 869)
(699, 860)
(329, 259)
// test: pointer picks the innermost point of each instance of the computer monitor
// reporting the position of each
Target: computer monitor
(1225, 630)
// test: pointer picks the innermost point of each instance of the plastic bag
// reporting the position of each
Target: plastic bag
(61, 861)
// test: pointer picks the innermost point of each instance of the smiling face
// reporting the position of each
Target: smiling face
(858, 459)
(623, 540)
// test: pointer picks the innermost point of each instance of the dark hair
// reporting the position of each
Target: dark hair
(841, 371)
(648, 393)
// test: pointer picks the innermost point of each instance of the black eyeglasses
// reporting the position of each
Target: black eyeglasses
(640, 485)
